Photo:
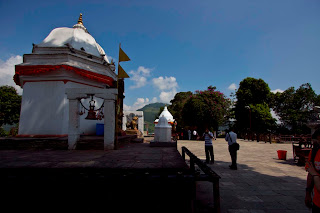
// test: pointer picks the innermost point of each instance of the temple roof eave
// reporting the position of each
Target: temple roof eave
(66, 58)
(42, 69)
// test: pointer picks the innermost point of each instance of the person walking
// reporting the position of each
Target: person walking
(195, 134)
(208, 147)
(313, 178)
(189, 134)
(231, 138)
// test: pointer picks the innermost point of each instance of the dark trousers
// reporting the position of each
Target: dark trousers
(315, 208)
(233, 154)
(209, 150)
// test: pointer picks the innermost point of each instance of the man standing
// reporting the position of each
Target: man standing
(208, 147)
(195, 134)
(313, 178)
(231, 138)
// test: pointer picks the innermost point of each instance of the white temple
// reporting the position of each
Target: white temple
(67, 66)
(167, 115)
(162, 131)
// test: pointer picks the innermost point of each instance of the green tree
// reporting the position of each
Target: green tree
(252, 111)
(206, 108)
(294, 107)
(10, 104)
(176, 107)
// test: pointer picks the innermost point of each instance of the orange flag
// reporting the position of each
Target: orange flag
(123, 56)
(122, 73)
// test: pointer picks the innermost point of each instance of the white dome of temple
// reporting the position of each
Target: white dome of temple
(77, 37)
(165, 113)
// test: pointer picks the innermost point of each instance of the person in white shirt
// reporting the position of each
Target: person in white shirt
(231, 138)
(195, 134)
(208, 147)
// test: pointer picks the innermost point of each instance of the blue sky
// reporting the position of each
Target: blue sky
(178, 46)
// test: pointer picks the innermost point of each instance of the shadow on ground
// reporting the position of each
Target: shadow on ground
(248, 190)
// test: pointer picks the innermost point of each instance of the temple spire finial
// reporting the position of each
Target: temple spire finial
(80, 19)
(80, 25)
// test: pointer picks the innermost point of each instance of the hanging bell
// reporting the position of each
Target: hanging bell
(91, 115)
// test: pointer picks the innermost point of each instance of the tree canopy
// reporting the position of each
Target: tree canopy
(252, 109)
(206, 109)
(294, 107)
(10, 104)
(176, 107)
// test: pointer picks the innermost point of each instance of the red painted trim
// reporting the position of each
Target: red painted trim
(37, 69)
(41, 136)
(64, 81)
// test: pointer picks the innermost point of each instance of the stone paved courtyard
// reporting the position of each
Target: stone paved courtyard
(262, 183)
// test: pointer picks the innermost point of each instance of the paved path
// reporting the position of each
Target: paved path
(130, 156)
(262, 183)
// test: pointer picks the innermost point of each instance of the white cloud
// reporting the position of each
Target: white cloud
(140, 102)
(154, 100)
(166, 83)
(167, 86)
(166, 97)
(139, 77)
(126, 107)
(7, 70)
(232, 86)
(277, 90)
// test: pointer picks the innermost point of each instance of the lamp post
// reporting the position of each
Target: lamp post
(248, 107)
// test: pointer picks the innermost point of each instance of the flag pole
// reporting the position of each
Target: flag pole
(117, 105)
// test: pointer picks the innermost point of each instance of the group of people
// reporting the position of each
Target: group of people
(312, 197)
(231, 138)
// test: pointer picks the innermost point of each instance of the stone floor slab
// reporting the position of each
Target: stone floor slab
(262, 183)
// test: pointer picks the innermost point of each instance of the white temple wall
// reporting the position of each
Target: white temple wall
(45, 109)
(42, 109)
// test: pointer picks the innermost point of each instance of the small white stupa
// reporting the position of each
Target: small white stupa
(162, 131)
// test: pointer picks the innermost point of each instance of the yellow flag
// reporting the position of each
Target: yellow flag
(123, 56)
(122, 73)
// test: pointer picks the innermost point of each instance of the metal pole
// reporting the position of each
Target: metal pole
(117, 106)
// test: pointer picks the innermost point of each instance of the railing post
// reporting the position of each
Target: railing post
(213, 177)
(216, 195)
(192, 168)
(183, 154)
